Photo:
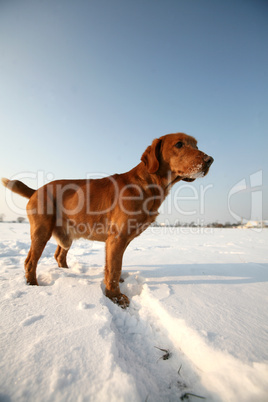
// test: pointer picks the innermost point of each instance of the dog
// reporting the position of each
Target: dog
(114, 209)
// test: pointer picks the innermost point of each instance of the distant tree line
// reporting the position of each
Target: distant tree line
(20, 219)
(178, 224)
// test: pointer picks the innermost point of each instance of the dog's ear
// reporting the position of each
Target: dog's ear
(190, 180)
(151, 156)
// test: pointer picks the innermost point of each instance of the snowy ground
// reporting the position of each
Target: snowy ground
(201, 296)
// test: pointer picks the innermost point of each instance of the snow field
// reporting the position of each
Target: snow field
(200, 296)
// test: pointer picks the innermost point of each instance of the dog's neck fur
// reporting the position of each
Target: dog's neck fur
(155, 185)
(162, 178)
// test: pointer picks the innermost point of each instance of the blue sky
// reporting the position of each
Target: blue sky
(87, 85)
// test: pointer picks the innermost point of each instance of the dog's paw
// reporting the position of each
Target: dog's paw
(120, 299)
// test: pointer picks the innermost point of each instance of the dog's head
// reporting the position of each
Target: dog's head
(178, 154)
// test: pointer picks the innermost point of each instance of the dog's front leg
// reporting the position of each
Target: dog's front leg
(115, 247)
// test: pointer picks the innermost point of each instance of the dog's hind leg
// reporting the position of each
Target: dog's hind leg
(42, 226)
(64, 241)
(39, 238)
(60, 256)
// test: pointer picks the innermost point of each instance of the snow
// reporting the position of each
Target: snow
(199, 294)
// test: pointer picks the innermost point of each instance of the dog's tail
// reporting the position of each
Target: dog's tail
(18, 187)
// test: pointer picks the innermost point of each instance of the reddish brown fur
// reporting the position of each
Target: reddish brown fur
(114, 209)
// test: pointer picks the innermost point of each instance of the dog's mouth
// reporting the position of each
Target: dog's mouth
(199, 170)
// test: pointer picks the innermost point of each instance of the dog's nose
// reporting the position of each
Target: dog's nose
(209, 160)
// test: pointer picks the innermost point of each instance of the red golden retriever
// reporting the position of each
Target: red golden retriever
(113, 209)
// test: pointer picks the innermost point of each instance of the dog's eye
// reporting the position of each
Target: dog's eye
(179, 144)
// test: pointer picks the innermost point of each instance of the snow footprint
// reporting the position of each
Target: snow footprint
(31, 320)
(85, 306)
(63, 377)
(14, 294)
(49, 278)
